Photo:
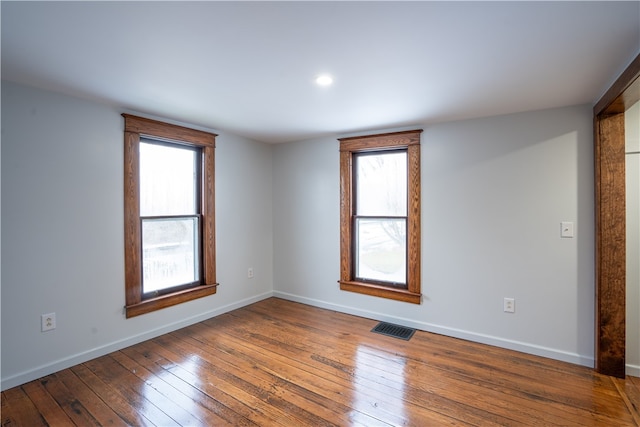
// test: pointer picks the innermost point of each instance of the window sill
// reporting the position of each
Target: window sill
(169, 300)
(381, 291)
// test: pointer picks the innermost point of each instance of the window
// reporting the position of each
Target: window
(380, 215)
(169, 215)
(169, 212)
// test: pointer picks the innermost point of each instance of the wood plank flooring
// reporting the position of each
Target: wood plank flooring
(280, 363)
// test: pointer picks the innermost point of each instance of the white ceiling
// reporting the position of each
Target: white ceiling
(248, 67)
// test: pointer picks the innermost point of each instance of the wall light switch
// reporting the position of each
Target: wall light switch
(566, 229)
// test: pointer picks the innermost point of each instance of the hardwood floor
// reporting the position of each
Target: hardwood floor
(279, 363)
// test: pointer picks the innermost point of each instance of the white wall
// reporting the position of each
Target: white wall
(62, 233)
(632, 148)
(494, 192)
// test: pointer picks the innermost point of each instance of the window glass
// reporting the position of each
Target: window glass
(170, 253)
(167, 179)
(381, 183)
(381, 250)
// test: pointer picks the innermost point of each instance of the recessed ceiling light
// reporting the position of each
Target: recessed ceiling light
(324, 80)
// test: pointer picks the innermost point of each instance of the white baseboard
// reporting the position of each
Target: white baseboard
(41, 371)
(633, 370)
(523, 347)
(67, 362)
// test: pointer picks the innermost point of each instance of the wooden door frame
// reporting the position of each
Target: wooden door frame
(610, 244)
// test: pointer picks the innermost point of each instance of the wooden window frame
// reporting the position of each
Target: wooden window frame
(135, 128)
(409, 140)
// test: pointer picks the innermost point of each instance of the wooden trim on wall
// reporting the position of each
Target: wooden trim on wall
(154, 128)
(414, 233)
(208, 216)
(132, 238)
(610, 245)
(386, 140)
(345, 220)
(610, 215)
(624, 92)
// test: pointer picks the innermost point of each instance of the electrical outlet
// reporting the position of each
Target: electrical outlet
(48, 322)
(509, 305)
(250, 272)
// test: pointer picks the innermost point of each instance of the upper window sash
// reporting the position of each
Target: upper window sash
(380, 183)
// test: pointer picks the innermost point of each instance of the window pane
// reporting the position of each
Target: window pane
(381, 250)
(381, 181)
(167, 180)
(169, 253)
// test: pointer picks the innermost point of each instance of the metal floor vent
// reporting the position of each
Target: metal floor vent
(395, 331)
